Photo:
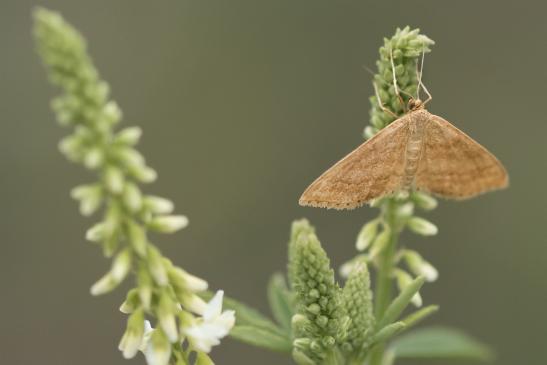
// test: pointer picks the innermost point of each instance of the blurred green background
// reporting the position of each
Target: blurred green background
(243, 104)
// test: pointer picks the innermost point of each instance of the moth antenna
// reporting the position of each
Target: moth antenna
(368, 70)
(395, 81)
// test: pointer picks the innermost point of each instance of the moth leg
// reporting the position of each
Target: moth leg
(420, 83)
(397, 92)
(381, 105)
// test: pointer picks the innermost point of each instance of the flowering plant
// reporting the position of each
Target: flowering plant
(318, 321)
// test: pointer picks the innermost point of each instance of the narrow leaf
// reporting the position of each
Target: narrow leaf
(387, 332)
(280, 301)
(440, 343)
(262, 338)
(419, 315)
(401, 302)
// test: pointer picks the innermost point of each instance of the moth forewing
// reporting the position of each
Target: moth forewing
(372, 170)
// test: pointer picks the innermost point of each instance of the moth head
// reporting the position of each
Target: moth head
(415, 104)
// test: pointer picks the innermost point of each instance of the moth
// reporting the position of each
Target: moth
(419, 151)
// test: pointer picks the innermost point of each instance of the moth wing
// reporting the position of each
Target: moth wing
(453, 165)
(371, 171)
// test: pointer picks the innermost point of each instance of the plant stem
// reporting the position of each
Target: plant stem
(384, 285)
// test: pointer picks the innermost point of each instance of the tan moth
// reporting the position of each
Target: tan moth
(418, 151)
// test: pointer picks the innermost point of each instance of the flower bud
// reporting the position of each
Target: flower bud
(143, 173)
(71, 147)
(158, 205)
(419, 266)
(144, 282)
(424, 201)
(186, 281)
(104, 285)
(369, 132)
(166, 317)
(129, 156)
(114, 180)
(404, 280)
(137, 237)
(192, 302)
(380, 243)
(89, 196)
(93, 158)
(121, 265)
(405, 210)
(168, 223)
(156, 267)
(112, 112)
(129, 136)
(367, 235)
(96, 233)
(132, 197)
(421, 226)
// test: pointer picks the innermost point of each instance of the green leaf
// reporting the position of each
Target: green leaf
(401, 302)
(279, 297)
(388, 332)
(418, 316)
(440, 343)
(262, 338)
(247, 316)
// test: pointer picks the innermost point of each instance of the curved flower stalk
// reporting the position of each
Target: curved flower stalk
(164, 292)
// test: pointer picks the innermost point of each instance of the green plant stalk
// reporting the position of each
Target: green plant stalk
(384, 285)
(384, 281)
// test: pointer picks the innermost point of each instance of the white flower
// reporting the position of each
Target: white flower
(213, 325)
(146, 336)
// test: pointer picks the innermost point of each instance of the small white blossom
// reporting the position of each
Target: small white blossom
(213, 325)
(133, 336)
(158, 349)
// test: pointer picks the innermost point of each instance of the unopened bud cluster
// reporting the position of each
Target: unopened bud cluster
(402, 50)
(322, 322)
